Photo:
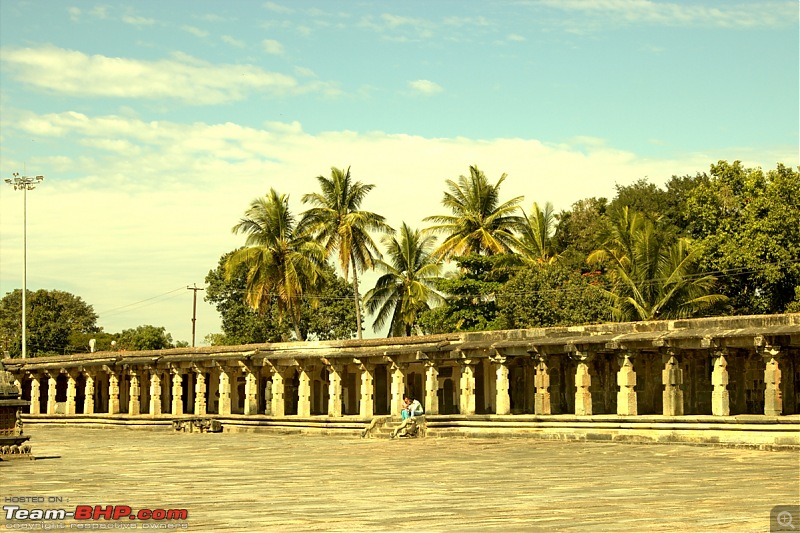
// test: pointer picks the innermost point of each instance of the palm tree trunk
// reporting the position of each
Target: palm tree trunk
(356, 298)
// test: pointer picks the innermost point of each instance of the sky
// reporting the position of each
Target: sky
(155, 124)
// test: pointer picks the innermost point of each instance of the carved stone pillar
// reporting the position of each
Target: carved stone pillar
(35, 396)
(155, 392)
(200, 403)
(278, 401)
(541, 381)
(466, 400)
(366, 406)
(51, 394)
(71, 393)
(177, 392)
(502, 397)
(134, 403)
(773, 399)
(113, 394)
(720, 397)
(334, 390)
(304, 392)
(224, 391)
(672, 378)
(250, 393)
(626, 395)
(583, 398)
(431, 389)
(398, 388)
(268, 397)
(88, 393)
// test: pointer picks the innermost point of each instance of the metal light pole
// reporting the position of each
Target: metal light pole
(194, 308)
(25, 184)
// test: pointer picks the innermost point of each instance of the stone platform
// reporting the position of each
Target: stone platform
(272, 482)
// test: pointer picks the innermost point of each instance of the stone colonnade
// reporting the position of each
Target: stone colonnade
(678, 368)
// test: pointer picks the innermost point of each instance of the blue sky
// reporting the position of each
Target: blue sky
(156, 123)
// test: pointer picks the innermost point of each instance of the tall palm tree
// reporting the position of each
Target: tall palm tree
(406, 287)
(536, 233)
(480, 224)
(653, 276)
(282, 263)
(339, 225)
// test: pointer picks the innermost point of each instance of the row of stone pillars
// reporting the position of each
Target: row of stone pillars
(275, 394)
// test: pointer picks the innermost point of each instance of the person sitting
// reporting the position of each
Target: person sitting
(411, 410)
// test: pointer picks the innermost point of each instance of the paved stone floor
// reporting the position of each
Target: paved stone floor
(263, 482)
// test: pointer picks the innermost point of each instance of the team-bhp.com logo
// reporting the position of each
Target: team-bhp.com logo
(96, 512)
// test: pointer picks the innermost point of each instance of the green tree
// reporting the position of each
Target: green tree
(407, 287)
(748, 222)
(653, 276)
(56, 322)
(281, 261)
(479, 223)
(338, 223)
(145, 337)
(543, 295)
(332, 318)
(577, 231)
(536, 235)
(471, 296)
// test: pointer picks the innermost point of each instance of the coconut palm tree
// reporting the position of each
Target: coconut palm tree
(406, 288)
(282, 264)
(480, 224)
(653, 277)
(339, 225)
(536, 233)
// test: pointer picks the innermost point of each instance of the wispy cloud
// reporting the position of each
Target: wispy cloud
(233, 41)
(182, 77)
(194, 30)
(134, 20)
(426, 87)
(399, 28)
(722, 14)
(272, 46)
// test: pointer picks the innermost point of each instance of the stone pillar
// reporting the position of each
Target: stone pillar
(71, 393)
(304, 392)
(35, 396)
(366, 406)
(583, 398)
(502, 403)
(720, 397)
(155, 392)
(113, 394)
(267, 397)
(431, 389)
(177, 392)
(250, 393)
(334, 390)
(51, 394)
(626, 396)
(541, 381)
(398, 388)
(278, 402)
(134, 403)
(200, 404)
(88, 393)
(672, 378)
(224, 391)
(773, 399)
(466, 400)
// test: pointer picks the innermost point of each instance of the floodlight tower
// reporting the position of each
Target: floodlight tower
(25, 184)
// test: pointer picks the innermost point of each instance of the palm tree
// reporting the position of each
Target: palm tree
(480, 224)
(339, 225)
(406, 288)
(282, 263)
(653, 277)
(536, 235)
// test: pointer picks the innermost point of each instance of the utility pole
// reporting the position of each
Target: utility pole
(194, 307)
(25, 184)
